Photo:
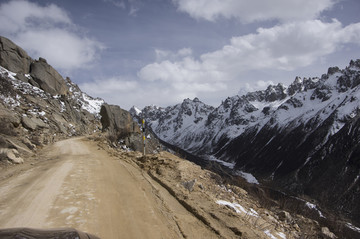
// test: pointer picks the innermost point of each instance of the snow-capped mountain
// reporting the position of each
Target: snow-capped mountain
(286, 135)
(182, 124)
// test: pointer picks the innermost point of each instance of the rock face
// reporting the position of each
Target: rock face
(13, 58)
(47, 78)
(117, 122)
(301, 138)
(40, 107)
(123, 130)
(43, 76)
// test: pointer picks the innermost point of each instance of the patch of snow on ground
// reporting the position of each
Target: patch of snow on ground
(268, 233)
(313, 206)
(10, 101)
(352, 227)
(282, 235)
(6, 73)
(63, 108)
(247, 176)
(226, 164)
(238, 208)
(91, 105)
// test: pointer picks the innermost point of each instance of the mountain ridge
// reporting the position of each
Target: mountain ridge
(276, 133)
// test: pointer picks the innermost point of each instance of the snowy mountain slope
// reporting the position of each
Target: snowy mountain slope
(275, 133)
(307, 101)
(174, 123)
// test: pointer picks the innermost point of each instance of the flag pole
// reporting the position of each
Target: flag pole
(143, 129)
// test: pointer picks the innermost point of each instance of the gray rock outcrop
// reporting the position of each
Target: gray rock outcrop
(13, 58)
(47, 78)
(117, 122)
(33, 123)
(44, 76)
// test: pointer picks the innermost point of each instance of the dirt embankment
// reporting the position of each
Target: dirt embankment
(84, 184)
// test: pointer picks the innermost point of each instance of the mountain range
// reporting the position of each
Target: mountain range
(302, 139)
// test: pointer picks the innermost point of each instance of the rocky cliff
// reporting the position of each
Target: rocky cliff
(37, 105)
(298, 138)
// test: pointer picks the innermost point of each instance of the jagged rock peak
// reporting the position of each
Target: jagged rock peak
(355, 63)
(134, 111)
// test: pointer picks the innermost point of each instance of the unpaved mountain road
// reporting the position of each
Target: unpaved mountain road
(83, 187)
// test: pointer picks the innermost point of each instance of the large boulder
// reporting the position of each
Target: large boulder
(117, 122)
(47, 78)
(13, 58)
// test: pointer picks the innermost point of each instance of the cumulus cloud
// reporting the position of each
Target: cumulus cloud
(283, 47)
(49, 32)
(187, 74)
(254, 10)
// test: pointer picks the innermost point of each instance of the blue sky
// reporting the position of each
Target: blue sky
(142, 52)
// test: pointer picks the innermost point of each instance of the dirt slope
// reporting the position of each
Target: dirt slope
(85, 188)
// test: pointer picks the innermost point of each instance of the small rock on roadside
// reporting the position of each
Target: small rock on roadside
(11, 155)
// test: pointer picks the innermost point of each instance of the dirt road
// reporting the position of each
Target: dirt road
(83, 187)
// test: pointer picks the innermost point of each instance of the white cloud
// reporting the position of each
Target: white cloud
(254, 10)
(18, 15)
(114, 85)
(284, 47)
(47, 31)
(62, 49)
(187, 73)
